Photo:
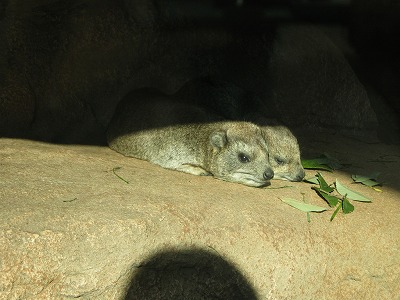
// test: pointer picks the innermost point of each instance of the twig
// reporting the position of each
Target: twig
(117, 168)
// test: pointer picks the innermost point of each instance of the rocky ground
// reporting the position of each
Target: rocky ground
(80, 221)
(74, 226)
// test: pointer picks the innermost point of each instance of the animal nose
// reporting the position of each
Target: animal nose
(300, 176)
(268, 174)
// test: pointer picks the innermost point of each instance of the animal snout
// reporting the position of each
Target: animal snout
(268, 174)
(300, 175)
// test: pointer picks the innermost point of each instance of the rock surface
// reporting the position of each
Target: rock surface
(71, 228)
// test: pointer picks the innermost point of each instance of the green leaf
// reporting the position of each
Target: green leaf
(332, 162)
(373, 176)
(367, 180)
(335, 212)
(303, 206)
(324, 162)
(313, 180)
(347, 206)
(323, 185)
(316, 164)
(370, 183)
(344, 191)
(332, 200)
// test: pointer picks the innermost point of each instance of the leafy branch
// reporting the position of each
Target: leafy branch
(336, 195)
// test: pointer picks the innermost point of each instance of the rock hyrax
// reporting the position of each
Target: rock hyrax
(232, 102)
(231, 151)
(284, 153)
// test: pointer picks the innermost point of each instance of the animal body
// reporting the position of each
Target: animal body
(184, 137)
(174, 136)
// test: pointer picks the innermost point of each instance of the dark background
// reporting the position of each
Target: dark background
(65, 65)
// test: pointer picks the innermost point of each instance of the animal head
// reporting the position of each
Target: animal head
(240, 154)
(284, 153)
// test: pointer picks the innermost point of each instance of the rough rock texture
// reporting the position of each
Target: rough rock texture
(70, 228)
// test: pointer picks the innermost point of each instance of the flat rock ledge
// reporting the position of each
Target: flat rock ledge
(85, 222)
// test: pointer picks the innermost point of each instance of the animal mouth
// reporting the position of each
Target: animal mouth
(285, 177)
(259, 183)
(250, 179)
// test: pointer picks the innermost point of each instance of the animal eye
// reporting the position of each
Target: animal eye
(243, 158)
(280, 161)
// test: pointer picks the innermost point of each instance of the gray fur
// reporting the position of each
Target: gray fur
(284, 153)
(152, 126)
(202, 149)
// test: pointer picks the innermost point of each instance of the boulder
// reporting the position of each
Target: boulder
(64, 67)
(86, 222)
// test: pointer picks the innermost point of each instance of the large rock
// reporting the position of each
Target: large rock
(70, 227)
(313, 84)
(64, 66)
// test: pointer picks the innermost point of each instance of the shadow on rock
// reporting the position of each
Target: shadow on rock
(188, 274)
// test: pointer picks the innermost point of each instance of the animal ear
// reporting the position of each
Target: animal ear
(218, 139)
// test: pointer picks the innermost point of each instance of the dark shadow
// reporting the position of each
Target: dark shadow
(201, 100)
(188, 274)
